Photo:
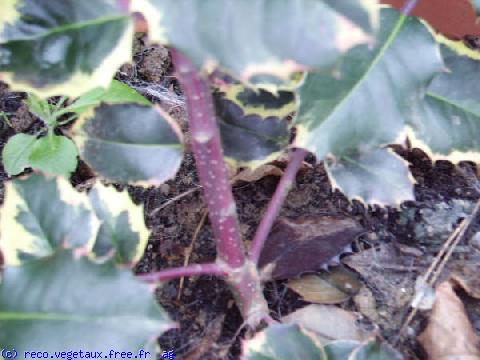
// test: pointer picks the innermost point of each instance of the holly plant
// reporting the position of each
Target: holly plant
(356, 76)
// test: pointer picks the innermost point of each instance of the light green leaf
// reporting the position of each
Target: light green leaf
(375, 350)
(130, 143)
(378, 176)
(40, 215)
(41, 108)
(55, 155)
(122, 226)
(448, 122)
(66, 303)
(259, 40)
(16, 153)
(283, 342)
(62, 47)
(117, 93)
(253, 123)
(373, 92)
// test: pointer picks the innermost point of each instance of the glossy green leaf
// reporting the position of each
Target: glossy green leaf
(122, 228)
(130, 143)
(378, 176)
(62, 47)
(375, 350)
(341, 349)
(55, 155)
(375, 90)
(448, 121)
(117, 93)
(16, 153)
(260, 39)
(66, 303)
(253, 123)
(283, 342)
(40, 215)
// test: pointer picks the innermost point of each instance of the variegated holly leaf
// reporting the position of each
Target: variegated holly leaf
(130, 143)
(41, 215)
(253, 123)
(376, 89)
(378, 176)
(65, 303)
(282, 342)
(448, 122)
(62, 47)
(260, 40)
(122, 230)
(117, 93)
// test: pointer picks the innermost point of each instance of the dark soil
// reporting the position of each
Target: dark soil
(208, 319)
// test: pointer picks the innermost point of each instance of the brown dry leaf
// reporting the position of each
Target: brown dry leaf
(333, 287)
(466, 276)
(296, 246)
(367, 304)
(449, 334)
(252, 175)
(328, 322)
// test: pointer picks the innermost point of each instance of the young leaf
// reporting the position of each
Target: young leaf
(16, 153)
(260, 40)
(253, 123)
(41, 215)
(122, 225)
(117, 93)
(130, 143)
(283, 342)
(41, 108)
(378, 176)
(53, 47)
(448, 121)
(296, 246)
(55, 155)
(62, 303)
(375, 90)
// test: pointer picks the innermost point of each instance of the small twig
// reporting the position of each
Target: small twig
(285, 184)
(173, 200)
(189, 250)
(175, 273)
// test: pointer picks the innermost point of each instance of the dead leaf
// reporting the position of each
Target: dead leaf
(296, 246)
(252, 175)
(328, 322)
(466, 276)
(449, 334)
(209, 338)
(332, 287)
(367, 304)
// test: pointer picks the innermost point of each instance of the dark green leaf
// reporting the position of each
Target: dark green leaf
(62, 303)
(253, 123)
(378, 176)
(55, 155)
(16, 153)
(283, 342)
(41, 215)
(122, 225)
(130, 143)
(341, 349)
(62, 46)
(375, 350)
(448, 122)
(117, 93)
(260, 39)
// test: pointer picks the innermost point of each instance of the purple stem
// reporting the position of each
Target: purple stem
(284, 186)
(207, 149)
(409, 7)
(175, 273)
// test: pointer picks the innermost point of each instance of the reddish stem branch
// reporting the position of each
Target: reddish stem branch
(207, 149)
(284, 186)
(175, 273)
